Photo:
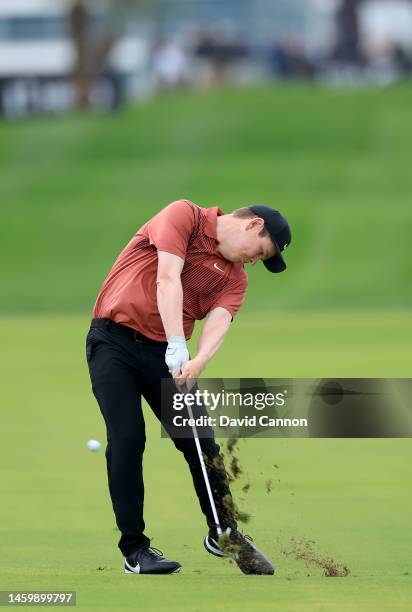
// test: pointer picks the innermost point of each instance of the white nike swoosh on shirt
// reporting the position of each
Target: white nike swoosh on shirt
(217, 267)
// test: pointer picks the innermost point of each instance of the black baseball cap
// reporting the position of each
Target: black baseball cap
(279, 231)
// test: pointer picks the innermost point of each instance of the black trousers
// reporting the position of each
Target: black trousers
(124, 366)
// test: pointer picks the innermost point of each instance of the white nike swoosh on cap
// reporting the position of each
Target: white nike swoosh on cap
(217, 267)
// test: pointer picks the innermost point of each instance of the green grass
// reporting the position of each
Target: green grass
(75, 189)
(352, 497)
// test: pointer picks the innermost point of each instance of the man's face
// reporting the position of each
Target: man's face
(251, 247)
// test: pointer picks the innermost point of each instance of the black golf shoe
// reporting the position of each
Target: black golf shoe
(241, 549)
(148, 560)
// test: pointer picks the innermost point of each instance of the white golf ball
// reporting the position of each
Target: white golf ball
(93, 445)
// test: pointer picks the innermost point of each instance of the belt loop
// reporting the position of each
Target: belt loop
(107, 323)
(136, 337)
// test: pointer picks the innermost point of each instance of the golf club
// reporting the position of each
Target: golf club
(202, 463)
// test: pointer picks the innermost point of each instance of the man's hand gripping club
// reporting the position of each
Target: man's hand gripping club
(177, 355)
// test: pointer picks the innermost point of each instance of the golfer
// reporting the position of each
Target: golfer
(184, 264)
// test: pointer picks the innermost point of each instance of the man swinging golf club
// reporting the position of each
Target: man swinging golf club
(184, 264)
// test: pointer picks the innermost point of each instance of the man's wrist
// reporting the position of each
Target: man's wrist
(177, 339)
(202, 360)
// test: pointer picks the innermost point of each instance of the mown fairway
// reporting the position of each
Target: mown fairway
(351, 497)
(72, 193)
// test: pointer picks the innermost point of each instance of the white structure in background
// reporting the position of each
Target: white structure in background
(33, 38)
(384, 21)
(35, 46)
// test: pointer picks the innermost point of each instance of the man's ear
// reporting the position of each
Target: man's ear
(255, 222)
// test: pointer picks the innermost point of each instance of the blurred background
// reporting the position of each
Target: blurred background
(56, 54)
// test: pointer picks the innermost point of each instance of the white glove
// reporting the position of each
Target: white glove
(176, 354)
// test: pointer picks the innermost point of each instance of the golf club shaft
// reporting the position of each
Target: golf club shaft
(203, 466)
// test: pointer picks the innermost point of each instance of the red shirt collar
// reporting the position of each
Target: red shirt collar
(211, 221)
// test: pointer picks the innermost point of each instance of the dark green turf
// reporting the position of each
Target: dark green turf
(74, 190)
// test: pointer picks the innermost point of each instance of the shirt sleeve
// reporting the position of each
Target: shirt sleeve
(233, 298)
(171, 228)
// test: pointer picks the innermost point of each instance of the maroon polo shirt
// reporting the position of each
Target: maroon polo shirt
(128, 294)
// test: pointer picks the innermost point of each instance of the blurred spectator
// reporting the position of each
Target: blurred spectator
(401, 60)
(387, 62)
(289, 60)
(170, 64)
(222, 50)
